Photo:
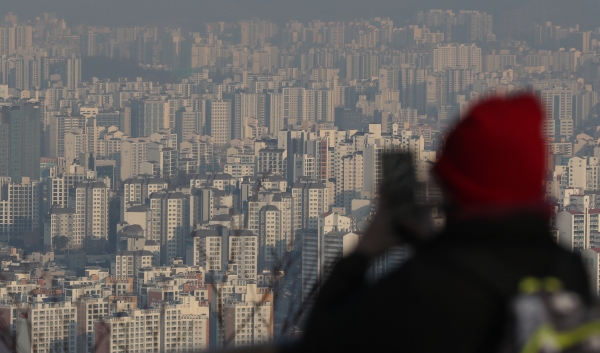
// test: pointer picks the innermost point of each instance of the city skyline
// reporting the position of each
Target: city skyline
(202, 203)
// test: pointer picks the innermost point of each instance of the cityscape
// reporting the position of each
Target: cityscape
(167, 190)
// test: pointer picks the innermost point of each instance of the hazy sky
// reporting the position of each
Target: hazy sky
(508, 13)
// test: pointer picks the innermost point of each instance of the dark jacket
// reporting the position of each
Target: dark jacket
(440, 300)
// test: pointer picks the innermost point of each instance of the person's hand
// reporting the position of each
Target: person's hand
(379, 236)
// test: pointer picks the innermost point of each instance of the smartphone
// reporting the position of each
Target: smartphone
(397, 190)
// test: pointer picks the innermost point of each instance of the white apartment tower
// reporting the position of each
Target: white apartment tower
(136, 191)
(91, 201)
(275, 119)
(19, 207)
(243, 252)
(149, 116)
(456, 56)
(322, 247)
(558, 108)
(73, 72)
(53, 325)
(108, 337)
(165, 157)
(59, 126)
(311, 199)
(63, 222)
(127, 263)
(76, 142)
(349, 179)
(89, 311)
(201, 149)
(170, 223)
(133, 153)
(182, 326)
(218, 121)
(270, 217)
(247, 324)
(272, 161)
(205, 248)
(292, 105)
(573, 234)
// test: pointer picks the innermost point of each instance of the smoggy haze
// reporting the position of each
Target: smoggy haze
(510, 15)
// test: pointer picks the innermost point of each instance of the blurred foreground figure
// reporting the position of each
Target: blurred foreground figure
(448, 298)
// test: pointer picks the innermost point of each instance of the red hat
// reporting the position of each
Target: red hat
(495, 156)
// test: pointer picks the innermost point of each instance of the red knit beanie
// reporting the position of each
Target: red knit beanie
(495, 156)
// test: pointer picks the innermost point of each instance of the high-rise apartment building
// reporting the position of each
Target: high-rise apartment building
(88, 44)
(77, 142)
(311, 199)
(60, 125)
(474, 26)
(274, 112)
(389, 79)
(165, 158)
(246, 313)
(566, 60)
(459, 56)
(170, 223)
(7, 39)
(317, 105)
(270, 217)
(4, 142)
(501, 61)
(71, 72)
(413, 88)
(188, 122)
(272, 161)
(136, 191)
(51, 325)
(332, 239)
(60, 186)
(247, 324)
(205, 248)
(24, 140)
(243, 252)
(349, 179)
(334, 34)
(255, 32)
(201, 149)
(149, 116)
(243, 107)
(573, 234)
(63, 222)
(90, 309)
(292, 105)
(128, 263)
(558, 108)
(19, 208)
(218, 121)
(181, 326)
(91, 201)
(133, 153)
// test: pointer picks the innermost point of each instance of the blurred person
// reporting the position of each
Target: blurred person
(491, 171)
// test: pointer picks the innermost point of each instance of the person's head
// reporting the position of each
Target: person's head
(493, 161)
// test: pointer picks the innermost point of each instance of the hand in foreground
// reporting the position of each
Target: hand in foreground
(379, 236)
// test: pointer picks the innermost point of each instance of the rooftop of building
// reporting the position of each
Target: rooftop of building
(66, 210)
(138, 208)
